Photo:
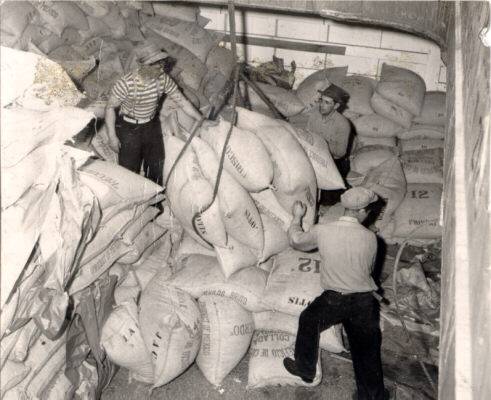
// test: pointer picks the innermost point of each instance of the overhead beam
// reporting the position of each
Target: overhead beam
(287, 44)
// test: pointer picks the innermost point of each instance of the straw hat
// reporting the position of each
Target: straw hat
(148, 53)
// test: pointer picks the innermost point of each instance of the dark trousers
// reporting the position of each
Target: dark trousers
(141, 142)
(359, 315)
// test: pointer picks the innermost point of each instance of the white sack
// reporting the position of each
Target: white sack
(238, 211)
(227, 330)
(375, 125)
(331, 339)
(121, 339)
(294, 281)
(423, 166)
(419, 213)
(391, 111)
(201, 275)
(317, 149)
(171, 329)
(268, 349)
(433, 111)
(360, 89)
(246, 158)
(402, 87)
(420, 131)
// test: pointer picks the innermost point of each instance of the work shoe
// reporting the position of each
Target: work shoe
(291, 367)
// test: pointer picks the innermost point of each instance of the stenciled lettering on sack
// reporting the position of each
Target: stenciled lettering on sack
(425, 221)
(200, 225)
(305, 265)
(238, 298)
(103, 178)
(243, 329)
(317, 158)
(106, 258)
(297, 301)
(234, 161)
(46, 8)
(306, 136)
(282, 353)
(250, 219)
(254, 352)
(215, 292)
(185, 356)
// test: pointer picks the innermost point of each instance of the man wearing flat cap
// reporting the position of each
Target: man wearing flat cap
(135, 132)
(326, 119)
(348, 252)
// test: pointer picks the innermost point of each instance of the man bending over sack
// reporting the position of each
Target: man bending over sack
(135, 133)
(347, 251)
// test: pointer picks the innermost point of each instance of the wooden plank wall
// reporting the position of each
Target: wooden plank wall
(476, 118)
(465, 343)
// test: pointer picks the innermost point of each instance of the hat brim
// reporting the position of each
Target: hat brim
(154, 58)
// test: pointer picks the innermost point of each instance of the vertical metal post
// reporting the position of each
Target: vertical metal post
(231, 19)
(233, 44)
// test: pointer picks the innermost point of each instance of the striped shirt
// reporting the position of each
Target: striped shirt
(139, 100)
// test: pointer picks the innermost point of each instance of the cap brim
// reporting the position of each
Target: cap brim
(154, 58)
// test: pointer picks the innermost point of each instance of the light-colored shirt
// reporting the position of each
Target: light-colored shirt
(347, 251)
(335, 129)
(139, 100)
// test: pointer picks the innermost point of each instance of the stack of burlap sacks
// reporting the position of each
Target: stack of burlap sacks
(234, 258)
(408, 123)
(398, 147)
(47, 213)
(190, 312)
(79, 34)
(66, 219)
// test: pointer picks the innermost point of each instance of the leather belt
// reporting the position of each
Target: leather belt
(136, 121)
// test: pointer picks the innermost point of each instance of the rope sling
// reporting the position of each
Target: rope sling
(197, 216)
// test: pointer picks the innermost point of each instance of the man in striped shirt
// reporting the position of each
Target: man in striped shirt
(135, 132)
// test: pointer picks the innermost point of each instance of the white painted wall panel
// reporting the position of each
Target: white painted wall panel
(216, 17)
(366, 47)
(303, 59)
(253, 23)
(356, 65)
(310, 29)
(404, 41)
(254, 54)
(345, 34)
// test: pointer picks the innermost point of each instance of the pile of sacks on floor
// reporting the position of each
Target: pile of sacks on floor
(189, 311)
(398, 150)
(234, 257)
(66, 219)
(417, 286)
(94, 41)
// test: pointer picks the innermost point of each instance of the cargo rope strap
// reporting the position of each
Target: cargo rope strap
(229, 133)
(231, 12)
(398, 312)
